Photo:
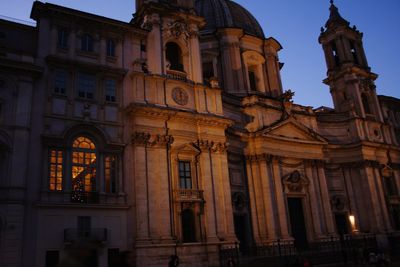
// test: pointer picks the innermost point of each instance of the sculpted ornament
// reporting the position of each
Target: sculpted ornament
(295, 182)
(176, 29)
(180, 96)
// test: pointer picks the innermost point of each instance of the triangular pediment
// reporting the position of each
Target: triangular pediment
(293, 130)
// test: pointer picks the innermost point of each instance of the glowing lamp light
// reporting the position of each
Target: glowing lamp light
(352, 220)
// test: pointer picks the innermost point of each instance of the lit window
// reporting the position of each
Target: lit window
(62, 38)
(110, 174)
(110, 48)
(84, 166)
(185, 177)
(56, 170)
(60, 82)
(86, 85)
(110, 90)
(87, 43)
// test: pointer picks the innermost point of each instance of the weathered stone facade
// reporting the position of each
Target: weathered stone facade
(171, 134)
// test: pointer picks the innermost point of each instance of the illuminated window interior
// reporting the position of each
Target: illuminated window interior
(56, 170)
(84, 161)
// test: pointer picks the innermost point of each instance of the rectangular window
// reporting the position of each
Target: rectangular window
(86, 85)
(84, 226)
(52, 258)
(111, 88)
(252, 80)
(60, 82)
(113, 257)
(208, 70)
(185, 177)
(87, 43)
(110, 174)
(56, 170)
(62, 38)
(110, 48)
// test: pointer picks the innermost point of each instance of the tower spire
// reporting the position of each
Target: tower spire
(335, 19)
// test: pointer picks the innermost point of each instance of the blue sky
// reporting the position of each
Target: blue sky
(296, 25)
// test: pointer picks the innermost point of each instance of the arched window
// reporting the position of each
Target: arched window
(173, 54)
(365, 102)
(87, 43)
(188, 226)
(84, 165)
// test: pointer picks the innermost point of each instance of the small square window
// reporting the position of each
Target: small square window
(111, 88)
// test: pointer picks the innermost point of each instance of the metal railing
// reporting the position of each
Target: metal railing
(335, 249)
(77, 197)
(74, 235)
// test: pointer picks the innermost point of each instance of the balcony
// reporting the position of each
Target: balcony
(75, 235)
(176, 75)
(188, 195)
(82, 198)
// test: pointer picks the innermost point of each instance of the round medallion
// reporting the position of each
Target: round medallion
(180, 96)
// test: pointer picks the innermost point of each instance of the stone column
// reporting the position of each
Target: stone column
(373, 203)
(221, 176)
(315, 201)
(103, 50)
(253, 200)
(267, 192)
(155, 51)
(330, 225)
(159, 202)
(140, 141)
(281, 199)
(353, 208)
(385, 219)
(196, 64)
(396, 177)
(209, 192)
(259, 198)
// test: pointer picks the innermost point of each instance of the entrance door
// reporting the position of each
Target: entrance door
(341, 224)
(240, 231)
(297, 222)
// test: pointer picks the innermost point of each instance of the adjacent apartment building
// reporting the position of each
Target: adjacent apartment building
(171, 134)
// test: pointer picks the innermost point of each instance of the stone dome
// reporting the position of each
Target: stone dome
(227, 14)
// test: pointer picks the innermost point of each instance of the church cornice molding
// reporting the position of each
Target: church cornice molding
(152, 111)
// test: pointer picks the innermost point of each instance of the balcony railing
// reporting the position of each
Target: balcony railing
(177, 75)
(76, 235)
(76, 197)
(182, 195)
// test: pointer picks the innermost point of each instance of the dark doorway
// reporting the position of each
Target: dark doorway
(297, 222)
(342, 226)
(188, 226)
(91, 260)
(241, 231)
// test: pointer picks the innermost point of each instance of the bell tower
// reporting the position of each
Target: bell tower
(350, 78)
(173, 38)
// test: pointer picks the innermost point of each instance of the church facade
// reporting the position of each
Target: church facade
(171, 134)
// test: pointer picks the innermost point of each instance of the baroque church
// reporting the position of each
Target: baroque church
(171, 134)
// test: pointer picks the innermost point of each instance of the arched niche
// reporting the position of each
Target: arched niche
(176, 57)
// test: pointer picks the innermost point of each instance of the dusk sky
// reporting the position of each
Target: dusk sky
(296, 25)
